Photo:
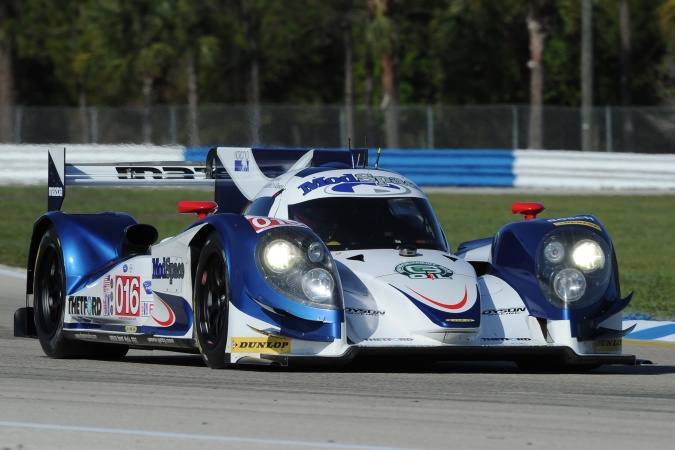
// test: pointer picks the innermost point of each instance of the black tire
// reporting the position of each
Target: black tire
(49, 298)
(211, 302)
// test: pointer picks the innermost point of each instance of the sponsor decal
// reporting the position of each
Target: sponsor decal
(125, 268)
(168, 269)
(241, 161)
(578, 220)
(267, 344)
(128, 296)
(163, 314)
(131, 328)
(420, 269)
(156, 172)
(364, 312)
(161, 340)
(347, 182)
(88, 336)
(503, 311)
(146, 309)
(460, 320)
(607, 345)
(126, 339)
(55, 191)
(450, 306)
(108, 297)
(260, 224)
(85, 305)
(389, 339)
(147, 286)
(504, 339)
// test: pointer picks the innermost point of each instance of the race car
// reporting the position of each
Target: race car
(314, 256)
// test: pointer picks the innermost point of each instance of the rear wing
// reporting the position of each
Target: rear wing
(237, 173)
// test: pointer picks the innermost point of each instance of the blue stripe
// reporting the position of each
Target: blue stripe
(654, 332)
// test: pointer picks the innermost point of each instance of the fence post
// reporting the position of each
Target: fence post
(94, 124)
(608, 129)
(17, 124)
(514, 127)
(430, 127)
(172, 125)
(342, 119)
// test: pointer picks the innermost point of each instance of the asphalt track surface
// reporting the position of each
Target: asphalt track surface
(172, 401)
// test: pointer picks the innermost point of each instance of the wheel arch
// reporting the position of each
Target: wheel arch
(88, 242)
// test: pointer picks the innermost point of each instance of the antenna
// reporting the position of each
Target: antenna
(379, 149)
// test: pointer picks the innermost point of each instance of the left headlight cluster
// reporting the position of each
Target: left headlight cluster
(298, 265)
(573, 267)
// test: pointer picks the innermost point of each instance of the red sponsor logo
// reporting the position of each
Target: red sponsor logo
(265, 223)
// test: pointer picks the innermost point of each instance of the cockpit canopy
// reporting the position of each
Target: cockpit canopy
(350, 223)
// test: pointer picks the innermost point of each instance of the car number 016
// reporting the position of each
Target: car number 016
(128, 299)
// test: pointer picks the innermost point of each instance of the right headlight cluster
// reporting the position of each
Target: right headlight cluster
(573, 267)
(298, 265)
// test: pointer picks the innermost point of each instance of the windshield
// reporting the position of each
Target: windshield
(346, 223)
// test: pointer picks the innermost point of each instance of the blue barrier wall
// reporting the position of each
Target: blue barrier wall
(450, 167)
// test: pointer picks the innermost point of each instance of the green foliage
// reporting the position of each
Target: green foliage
(640, 226)
(448, 51)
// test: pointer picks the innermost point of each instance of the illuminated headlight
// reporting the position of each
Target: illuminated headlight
(588, 256)
(318, 285)
(280, 255)
(573, 267)
(296, 263)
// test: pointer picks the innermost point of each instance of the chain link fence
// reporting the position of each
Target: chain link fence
(615, 129)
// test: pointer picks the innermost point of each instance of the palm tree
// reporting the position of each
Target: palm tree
(382, 38)
(6, 73)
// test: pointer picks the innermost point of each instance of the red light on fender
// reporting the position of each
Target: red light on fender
(527, 209)
(201, 208)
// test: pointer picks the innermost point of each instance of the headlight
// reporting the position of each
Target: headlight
(569, 284)
(554, 252)
(588, 256)
(318, 285)
(280, 255)
(572, 267)
(297, 264)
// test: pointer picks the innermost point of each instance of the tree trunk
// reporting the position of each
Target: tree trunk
(538, 36)
(251, 24)
(6, 87)
(193, 137)
(390, 100)
(626, 62)
(349, 86)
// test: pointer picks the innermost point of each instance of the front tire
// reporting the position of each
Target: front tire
(211, 302)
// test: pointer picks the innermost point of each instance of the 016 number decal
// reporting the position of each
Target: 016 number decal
(128, 298)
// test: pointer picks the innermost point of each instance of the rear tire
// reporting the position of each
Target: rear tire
(211, 302)
(49, 294)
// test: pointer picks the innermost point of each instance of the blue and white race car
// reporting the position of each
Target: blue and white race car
(314, 256)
